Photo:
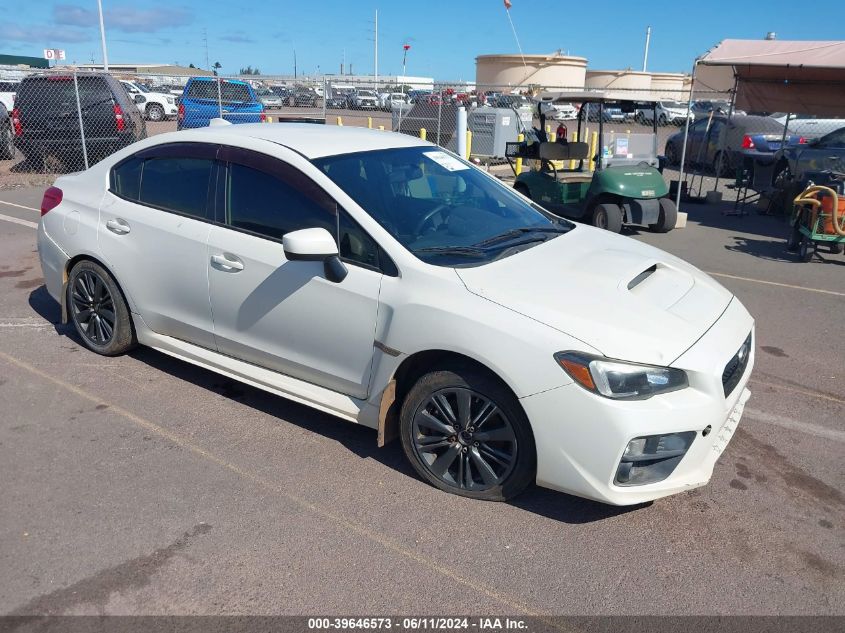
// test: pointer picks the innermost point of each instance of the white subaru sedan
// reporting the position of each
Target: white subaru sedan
(385, 281)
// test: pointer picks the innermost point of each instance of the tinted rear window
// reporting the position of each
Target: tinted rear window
(229, 91)
(8, 86)
(61, 90)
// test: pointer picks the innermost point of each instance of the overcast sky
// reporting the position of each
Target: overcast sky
(445, 35)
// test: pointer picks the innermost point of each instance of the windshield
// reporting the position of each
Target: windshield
(366, 93)
(673, 104)
(265, 92)
(439, 207)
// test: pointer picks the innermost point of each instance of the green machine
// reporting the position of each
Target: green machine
(624, 188)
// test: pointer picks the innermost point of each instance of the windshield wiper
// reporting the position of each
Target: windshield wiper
(461, 251)
(507, 235)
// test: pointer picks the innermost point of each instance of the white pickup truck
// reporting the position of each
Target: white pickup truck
(155, 106)
(7, 94)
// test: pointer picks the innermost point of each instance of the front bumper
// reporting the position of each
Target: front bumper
(581, 436)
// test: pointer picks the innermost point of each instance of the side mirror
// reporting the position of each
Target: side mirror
(139, 99)
(315, 245)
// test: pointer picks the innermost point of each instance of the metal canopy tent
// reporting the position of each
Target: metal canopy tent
(778, 76)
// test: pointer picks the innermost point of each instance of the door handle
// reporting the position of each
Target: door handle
(118, 226)
(227, 262)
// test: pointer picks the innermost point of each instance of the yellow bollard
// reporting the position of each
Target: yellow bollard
(370, 122)
(548, 130)
(469, 144)
(594, 141)
(553, 137)
(574, 139)
(422, 133)
(381, 127)
(520, 138)
(268, 119)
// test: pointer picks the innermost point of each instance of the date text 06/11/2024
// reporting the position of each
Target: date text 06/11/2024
(418, 623)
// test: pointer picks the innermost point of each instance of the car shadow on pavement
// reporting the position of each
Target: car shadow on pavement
(46, 307)
(362, 440)
(358, 439)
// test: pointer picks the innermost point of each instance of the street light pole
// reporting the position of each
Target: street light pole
(647, 42)
(103, 36)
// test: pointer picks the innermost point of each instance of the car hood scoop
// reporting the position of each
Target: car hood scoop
(624, 298)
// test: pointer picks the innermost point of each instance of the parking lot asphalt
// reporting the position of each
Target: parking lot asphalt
(141, 484)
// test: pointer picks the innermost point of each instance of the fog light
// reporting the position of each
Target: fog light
(650, 459)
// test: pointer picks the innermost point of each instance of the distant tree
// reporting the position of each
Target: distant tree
(217, 66)
(249, 70)
(191, 66)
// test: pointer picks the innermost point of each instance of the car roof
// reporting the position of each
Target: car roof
(313, 140)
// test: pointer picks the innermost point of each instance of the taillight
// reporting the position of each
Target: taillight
(52, 198)
(802, 141)
(263, 117)
(181, 114)
(747, 142)
(118, 118)
(17, 126)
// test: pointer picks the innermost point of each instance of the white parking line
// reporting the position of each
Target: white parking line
(9, 218)
(776, 283)
(796, 425)
(20, 206)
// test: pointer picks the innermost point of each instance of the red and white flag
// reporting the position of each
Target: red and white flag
(508, 5)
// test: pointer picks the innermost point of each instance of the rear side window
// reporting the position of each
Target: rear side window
(126, 178)
(229, 91)
(176, 184)
(262, 203)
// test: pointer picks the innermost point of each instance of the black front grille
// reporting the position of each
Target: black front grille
(736, 367)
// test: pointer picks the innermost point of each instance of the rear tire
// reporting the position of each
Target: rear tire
(494, 461)
(668, 217)
(98, 310)
(794, 239)
(721, 166)
(806, 250)
(607, 216)
(672, 155)
(522, 188)
(836, 248)
(7, 145)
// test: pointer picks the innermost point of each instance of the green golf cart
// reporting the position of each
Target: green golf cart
(625, 187)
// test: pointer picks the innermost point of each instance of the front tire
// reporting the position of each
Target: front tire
(98, 310)
(607, 216)
(667, 218)
(465, 433)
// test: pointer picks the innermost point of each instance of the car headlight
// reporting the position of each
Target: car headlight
(620, 380)
(170, 100)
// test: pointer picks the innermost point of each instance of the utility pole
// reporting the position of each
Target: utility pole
(647, 41)
(294, 63)
(376, 49)
(205, 39)
(103, 36)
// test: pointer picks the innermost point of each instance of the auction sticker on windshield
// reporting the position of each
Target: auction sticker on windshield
(444, 160)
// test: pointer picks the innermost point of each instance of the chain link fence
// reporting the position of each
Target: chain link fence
(60, 121)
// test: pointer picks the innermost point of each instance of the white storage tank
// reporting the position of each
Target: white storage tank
(513, 70)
